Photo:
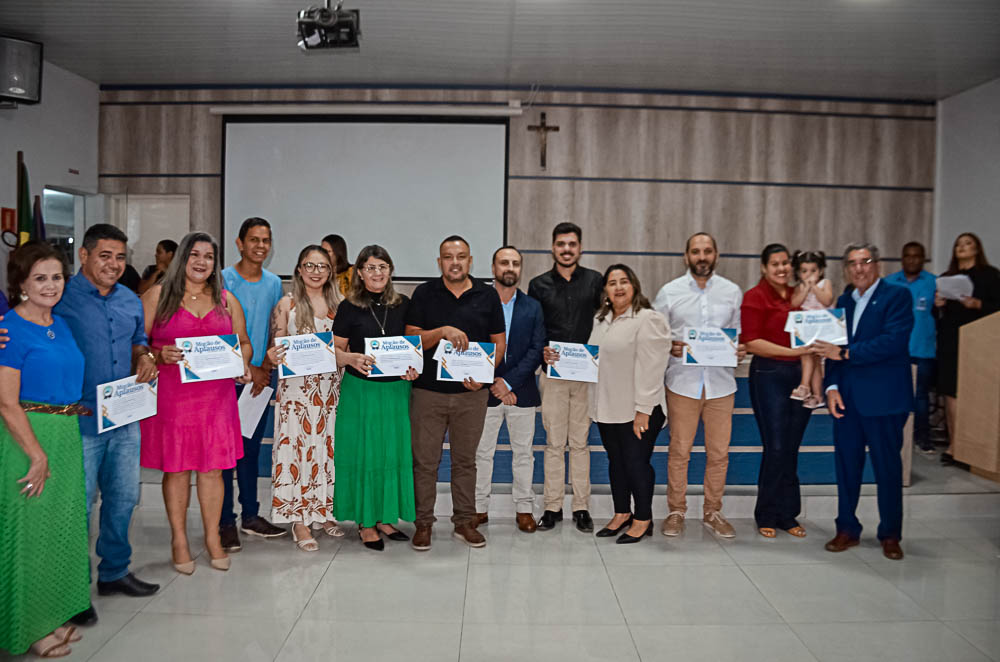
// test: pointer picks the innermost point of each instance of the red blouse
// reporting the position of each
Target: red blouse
(763, 316)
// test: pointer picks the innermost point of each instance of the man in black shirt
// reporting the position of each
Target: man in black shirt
(457, 309)
(570, 295)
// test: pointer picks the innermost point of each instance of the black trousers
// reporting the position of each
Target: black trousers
(782, 423)
(629, 470)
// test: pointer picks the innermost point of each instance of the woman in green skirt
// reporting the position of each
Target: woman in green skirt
(373, 461)
(45, 578)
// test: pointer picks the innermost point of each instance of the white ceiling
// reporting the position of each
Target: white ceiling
(915, 49)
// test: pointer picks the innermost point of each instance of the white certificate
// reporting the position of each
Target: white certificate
(210, 357)
(577, 362)
(476, 362)
(394, 355)
(710, 346)
(307, 354)
(124, 401)
(954, 287)
(807, 326)
(252, 408)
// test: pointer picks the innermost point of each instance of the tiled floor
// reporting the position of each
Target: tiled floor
(563, 595)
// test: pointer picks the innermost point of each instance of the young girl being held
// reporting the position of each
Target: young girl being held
(813, 292)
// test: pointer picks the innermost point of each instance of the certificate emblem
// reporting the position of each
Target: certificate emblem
(186, 346)
(108, 391)
(374, 343)
(692, 334)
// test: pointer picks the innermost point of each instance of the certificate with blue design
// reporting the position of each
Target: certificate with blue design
(710, 346)
(394, 355)
(475, 363)
(807, 326)
(307, 354)
(124, 401)
(210, 357)
(577, 362)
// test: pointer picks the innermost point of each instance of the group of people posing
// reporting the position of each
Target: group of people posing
(382, 437)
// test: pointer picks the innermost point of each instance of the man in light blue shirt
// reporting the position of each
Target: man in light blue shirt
(258, 291)
(922, 286)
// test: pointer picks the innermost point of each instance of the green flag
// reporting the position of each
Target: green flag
(25, 224)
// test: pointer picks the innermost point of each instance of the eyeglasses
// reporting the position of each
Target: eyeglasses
(376, 268)
(312, 267)
(856, 264)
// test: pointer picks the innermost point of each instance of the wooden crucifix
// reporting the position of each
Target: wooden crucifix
(543, 136)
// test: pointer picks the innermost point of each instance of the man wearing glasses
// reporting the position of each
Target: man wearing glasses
(870, 395)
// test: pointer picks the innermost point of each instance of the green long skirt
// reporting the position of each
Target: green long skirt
(372, 456)
(44, 561)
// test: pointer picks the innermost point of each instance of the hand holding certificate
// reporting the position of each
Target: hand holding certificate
(710, 346)
(307, 354)
(577, 362)
(124, 401)
(475, 363)
(954, 287)
(210, 357)
(807, 326)
(394, 355)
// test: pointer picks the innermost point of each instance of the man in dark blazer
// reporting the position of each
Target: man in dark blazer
(870, 394)
(514, 394)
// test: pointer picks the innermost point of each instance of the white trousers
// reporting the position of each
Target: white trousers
(521, 430)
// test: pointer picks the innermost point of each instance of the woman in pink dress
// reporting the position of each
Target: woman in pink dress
(197, 425)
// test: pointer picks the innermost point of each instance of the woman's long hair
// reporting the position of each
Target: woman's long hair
(358, 294)
(981, 260)
(639, 300)
(172, 283)
(339, 246)
(303, 310)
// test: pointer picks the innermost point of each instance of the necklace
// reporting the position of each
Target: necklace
(51, 334)
(194, 297)
(385, 318)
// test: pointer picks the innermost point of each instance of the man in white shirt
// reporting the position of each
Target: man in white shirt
(699, 298)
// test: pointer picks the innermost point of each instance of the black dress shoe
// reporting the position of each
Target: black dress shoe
(626, 539)
(549, 519)
(86, 617)
(129, 585)
(583, 521)
(608, 532)
(397, 535)
(378, 545)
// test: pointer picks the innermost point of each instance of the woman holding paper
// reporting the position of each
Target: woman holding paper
(967, 259)
(302, 455)
(775, 371)
(374, 460)
(628, 401)
(197, 425)
(46, 567)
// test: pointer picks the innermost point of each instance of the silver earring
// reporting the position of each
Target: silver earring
(24, 296)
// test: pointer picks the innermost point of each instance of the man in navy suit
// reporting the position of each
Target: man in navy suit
(514, 395)
(870, 394)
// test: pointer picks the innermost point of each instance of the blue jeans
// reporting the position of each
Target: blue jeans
(922, 402)
(246, 475)
(111, 465)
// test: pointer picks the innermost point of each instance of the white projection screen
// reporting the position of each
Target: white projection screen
(405, 183)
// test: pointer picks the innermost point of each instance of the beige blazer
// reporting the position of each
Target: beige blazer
(635, 348)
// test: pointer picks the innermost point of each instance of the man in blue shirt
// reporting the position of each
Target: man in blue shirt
(107, 323)
(922, 286)
(258, 291)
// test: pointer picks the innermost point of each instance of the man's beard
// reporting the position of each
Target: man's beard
(703, 268)
(508, 279)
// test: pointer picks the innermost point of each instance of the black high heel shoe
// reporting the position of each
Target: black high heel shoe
(396, 535)
(607, 532)
(626, 539)
(377, 545)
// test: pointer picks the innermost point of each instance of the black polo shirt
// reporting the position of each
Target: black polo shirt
(568, 306)
(478, 312)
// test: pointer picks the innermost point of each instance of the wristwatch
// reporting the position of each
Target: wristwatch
(843, 353)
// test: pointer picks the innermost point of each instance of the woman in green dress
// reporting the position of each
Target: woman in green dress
(374, 463)
(45, 578)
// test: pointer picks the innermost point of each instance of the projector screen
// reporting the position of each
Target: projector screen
(403, 183)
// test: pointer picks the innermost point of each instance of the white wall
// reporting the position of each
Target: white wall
(56, 135)
(967, 194)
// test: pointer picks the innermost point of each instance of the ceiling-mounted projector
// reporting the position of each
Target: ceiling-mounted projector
(325, 27)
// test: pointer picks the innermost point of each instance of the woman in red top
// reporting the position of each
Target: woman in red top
(775, 368)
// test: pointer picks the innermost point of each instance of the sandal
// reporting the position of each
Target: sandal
(306, 544)
(796, 531)
(801, 392)
(813, 402)
(331, 528)
(50, 646)
(767, 532)
(69, 634)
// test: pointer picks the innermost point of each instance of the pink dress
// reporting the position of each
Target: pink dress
(197, 425)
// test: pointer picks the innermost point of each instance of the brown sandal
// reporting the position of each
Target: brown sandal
(767, 532)
(49, 646)
(796, 531)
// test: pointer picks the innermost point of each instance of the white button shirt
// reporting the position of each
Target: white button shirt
(683, 303)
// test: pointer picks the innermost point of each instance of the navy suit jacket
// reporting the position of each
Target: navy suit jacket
(525, 341)
(875, 380)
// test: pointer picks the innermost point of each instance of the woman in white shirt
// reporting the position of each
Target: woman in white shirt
(628, 401)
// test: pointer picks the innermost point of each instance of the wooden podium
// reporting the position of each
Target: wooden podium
(977, 433)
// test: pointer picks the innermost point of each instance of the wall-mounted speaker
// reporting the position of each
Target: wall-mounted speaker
(20, 70)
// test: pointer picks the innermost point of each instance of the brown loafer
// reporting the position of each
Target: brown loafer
(421, 540)
(841, 542)
(526, 523)
(481, 518)
(468, 534)
(891, 549)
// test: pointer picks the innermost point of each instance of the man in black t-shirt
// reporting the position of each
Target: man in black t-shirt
(458, 309)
